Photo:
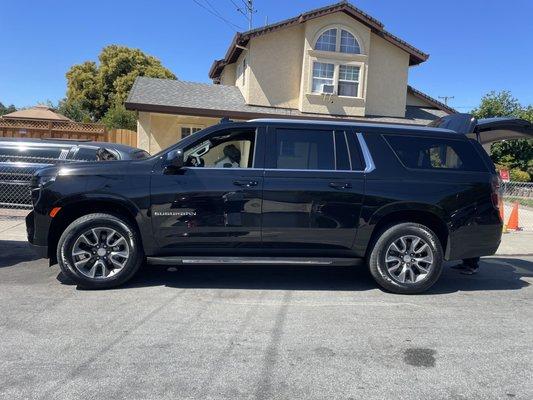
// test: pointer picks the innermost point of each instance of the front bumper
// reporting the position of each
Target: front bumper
(36, 237)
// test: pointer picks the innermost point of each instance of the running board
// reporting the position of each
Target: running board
(188, 260)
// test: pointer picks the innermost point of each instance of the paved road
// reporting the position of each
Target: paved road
(264, 333)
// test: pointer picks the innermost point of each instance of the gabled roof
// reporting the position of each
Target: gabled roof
(435, 103)
(241, 39)
(38, 112)
(170, 96)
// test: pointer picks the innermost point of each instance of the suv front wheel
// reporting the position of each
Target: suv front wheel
(99, 251)
(406, 258)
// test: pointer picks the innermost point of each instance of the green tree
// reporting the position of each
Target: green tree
(6, 110)
(118, 117)
(74, 110)
(511, 154)
(497, 104)
(99, 87)
(83, 88)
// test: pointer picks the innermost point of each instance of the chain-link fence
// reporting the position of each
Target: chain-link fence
(518, 205)
(15, 176)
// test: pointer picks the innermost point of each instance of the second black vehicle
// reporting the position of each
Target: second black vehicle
(21, 157)
(401, 198)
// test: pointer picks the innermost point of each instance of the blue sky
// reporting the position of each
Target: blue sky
(475, 46)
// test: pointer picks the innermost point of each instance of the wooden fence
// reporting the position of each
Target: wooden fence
(124, 136)
(65, 130)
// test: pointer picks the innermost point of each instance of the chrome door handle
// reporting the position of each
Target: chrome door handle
(340, 185)
(245, 183)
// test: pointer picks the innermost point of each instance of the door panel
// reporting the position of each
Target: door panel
(310, 209)
(199, 206)
(215, 206)
(309, 203)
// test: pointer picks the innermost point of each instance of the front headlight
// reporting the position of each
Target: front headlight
(44, 180)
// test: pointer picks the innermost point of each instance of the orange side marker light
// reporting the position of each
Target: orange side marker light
(54, 211)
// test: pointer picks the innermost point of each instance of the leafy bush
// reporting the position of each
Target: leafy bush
(120, 118)
(517, 175)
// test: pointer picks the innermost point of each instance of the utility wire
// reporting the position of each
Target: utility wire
(217, 14)
(238, 8)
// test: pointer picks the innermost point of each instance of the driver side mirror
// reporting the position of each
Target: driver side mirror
(175, 158)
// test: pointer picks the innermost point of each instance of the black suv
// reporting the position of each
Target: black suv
(20, 158)
(402, 198)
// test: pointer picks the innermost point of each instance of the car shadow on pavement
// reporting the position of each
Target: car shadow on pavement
(14, 252)
(494, 274)
(274, 277)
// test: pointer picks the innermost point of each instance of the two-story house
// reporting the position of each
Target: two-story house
(331, 62)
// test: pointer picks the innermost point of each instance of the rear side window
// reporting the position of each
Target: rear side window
(435, 153)
(140, 155)
(305, 149)
(86, 154)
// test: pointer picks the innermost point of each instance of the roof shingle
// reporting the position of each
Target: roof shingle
(202, 99)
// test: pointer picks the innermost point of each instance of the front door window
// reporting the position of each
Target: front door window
(226, 149)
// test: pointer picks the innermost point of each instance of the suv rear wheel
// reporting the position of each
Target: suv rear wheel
(99, 251)
(406, 258)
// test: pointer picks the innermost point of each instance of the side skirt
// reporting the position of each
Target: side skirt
(188, 260)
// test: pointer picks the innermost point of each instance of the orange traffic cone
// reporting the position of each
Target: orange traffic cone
(502, 212)
(513, 218)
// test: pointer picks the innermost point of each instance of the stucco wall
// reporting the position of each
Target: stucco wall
(143, 131)
(415, 101)
(158, 131)
(275, 62)
(387, 79)
(227, 77)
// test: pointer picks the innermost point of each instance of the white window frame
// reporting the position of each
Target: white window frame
(336, 69)
(321, 78)
(358, 81)
(194, 128)
(339, 29)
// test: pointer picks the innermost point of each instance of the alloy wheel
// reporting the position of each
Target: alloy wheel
(409, 259)
(100, 253)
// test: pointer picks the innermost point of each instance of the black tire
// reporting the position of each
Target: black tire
(99, 220)
(385, 238)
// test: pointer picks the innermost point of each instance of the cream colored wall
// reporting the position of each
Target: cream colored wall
(387, 79)
(159, 131)
(143, 131)
(227, 77)
(416, 101)
(243, 84)
(275, 63)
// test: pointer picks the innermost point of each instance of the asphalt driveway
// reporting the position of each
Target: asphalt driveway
(264, 332)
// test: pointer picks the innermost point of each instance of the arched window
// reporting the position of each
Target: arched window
(327, 41)
(331, 40)
(349, 43)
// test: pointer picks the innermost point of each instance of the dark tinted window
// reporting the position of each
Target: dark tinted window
(86, 154)
(139, 155)
(300, 149)
(435, 153)
(355, 152)
(342, 157)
